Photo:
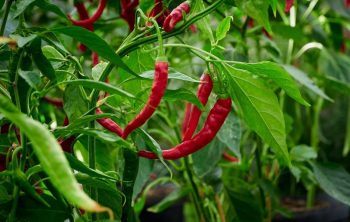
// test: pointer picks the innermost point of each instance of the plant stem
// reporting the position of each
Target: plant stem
(202, 214)
(6, 14)
(12, 214)
(257, 154)
(311, 192)
(346, 148)
(92, 164)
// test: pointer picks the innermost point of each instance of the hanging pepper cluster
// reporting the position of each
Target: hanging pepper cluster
(191, 142)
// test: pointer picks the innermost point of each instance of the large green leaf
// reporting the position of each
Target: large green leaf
(260, 107)
(334, 180)
(95, 43)
(50, 155)
(276, 73)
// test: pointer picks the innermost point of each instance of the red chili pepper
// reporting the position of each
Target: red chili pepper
(175, 16)
(187, 116)
(90, 21)
(54, 101)
(203, 93)
(4, 129)
(109, 124)
(289, 4)
(158, 88)
(212, 125)
(230, 158)
(128, 8)
(157, 10)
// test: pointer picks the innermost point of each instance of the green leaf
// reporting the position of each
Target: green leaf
(92, 84)
(304, 80)
(209, 154)
(171, 199)
(81, 167)
(46, 6)
(97, 70)
(223, 28)
(31, 77)
(51, 53)
(173, 74)
(41, 61)
(230, 134)
(4, 195)
(276, 73)
(204, 23)
(95, 43)
(21, 6)
(23, 40)
(184, 95)
(334, 180)
(302, 153)
(76, 107)
(273, 4)
(244, 203)
(30, 210)
(336, 85)
(260, 107)
(50, 156)
(257, 9)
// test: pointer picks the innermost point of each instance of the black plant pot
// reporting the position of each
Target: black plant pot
(327, 210)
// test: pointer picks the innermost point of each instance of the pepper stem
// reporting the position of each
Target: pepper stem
(161, 51)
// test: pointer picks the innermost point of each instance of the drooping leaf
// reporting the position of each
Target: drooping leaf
(334, 180)
(95, 43)
(276, 73)
(260, 108)
(304, 80)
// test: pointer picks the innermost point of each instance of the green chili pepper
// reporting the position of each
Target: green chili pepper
(52, 158)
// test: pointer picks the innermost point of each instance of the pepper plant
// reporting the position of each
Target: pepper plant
(102, 102)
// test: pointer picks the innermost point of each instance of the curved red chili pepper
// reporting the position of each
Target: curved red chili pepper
(158, 88)
(83, 14)
(212, 125)
(203, 93)
(89, 21)
(175, 16)
(187, 115)
(156, 10)
(128, 8)
(109, 124)
(230, 158)
(289, 4)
